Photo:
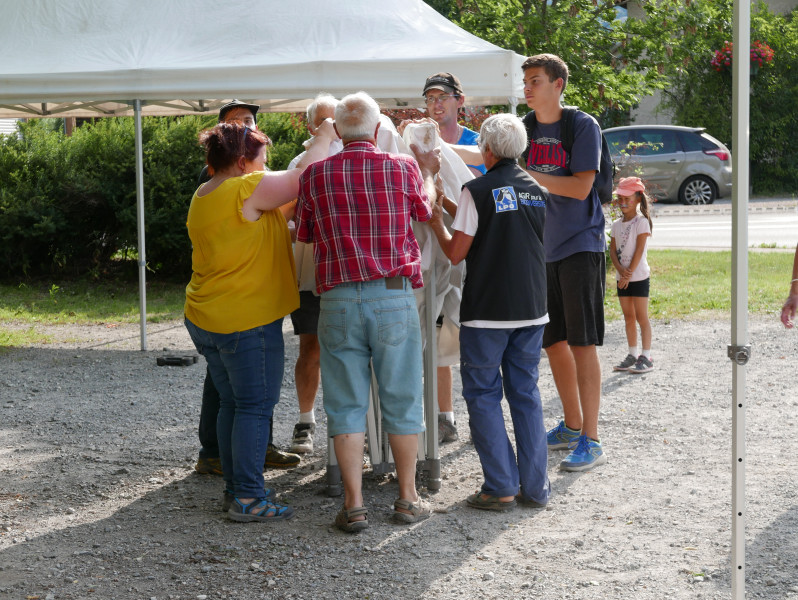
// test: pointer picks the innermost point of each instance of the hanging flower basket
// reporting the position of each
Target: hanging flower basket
(761, 54)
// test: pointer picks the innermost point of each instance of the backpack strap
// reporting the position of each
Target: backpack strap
(567, 127)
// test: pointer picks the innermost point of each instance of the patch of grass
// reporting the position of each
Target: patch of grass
(691, 284)
(21, 337)
(684, 284)
(89, 302)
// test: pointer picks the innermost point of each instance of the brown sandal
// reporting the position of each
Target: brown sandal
(344, 522)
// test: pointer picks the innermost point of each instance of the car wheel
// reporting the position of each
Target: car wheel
(697, 191)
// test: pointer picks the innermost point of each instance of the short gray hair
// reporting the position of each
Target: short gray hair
(505, 134)
(357, 116)
(322, 99)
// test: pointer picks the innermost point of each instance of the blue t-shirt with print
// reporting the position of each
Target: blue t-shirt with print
(571, 225)
(470, 137)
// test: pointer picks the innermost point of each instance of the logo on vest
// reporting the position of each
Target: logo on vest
(505, 199)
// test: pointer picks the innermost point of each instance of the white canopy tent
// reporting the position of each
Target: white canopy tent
(94, 58)
(101, 58)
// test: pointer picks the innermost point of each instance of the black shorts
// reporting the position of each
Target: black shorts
(305, 319)
(638, 289)
(575, 294)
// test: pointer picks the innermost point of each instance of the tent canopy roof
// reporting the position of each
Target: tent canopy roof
(94, 57)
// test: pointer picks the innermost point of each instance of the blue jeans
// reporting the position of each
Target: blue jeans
(209, 413)
(490, 358)
(363, 322)
(247, 371)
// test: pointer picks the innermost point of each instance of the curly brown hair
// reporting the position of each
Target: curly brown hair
(225, 143)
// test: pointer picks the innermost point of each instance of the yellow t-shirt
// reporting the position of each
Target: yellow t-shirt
(243, 271)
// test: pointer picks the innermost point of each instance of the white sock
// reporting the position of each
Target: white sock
(307, 417)
(449, 416)
(647, 353)
(633, 351)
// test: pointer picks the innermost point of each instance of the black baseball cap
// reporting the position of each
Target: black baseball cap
(253, 108)
(446, 82)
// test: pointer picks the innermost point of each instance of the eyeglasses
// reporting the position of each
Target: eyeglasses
(430, 100)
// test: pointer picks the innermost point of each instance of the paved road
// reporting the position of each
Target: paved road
(770, 221)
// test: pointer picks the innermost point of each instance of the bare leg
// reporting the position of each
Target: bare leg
(641, 310)
(588, 377)
(563, 370)
(307, 372)
(404, 448)
(349, 452)
(630, 322)
(445, 389)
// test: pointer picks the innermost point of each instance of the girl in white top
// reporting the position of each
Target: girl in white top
(628, 239)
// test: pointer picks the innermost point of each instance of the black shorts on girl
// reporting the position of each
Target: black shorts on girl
(637, 289)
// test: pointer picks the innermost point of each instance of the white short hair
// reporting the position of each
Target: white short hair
(322, 99)
(505, 134)
(357, 116)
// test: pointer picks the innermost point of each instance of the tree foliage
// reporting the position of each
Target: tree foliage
(614, 61)
(664, 46)
(701, 95)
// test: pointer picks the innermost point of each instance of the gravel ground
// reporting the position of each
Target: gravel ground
(98, 498)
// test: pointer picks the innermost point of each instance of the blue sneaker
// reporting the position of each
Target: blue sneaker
(585, 454)
(561, 437)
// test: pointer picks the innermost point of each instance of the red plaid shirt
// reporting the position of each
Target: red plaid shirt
(356, 208)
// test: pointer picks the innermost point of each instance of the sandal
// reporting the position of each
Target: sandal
(227, 499)
(484, 501)
(418, 511)
(263, 510)
(528, 502)
(344, 519)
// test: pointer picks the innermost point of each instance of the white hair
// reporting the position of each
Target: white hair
(357, 116)
(322, 99)
(505, 134)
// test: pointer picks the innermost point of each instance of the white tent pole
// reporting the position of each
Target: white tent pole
(142, 263)
(739, 351)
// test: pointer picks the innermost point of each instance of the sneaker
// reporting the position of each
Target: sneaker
(585, 454)
(302, 441)
(643, 365)
(561, 436)
(277, 459)
(447, 431)
(259, 510)
(227, 500)
(209, 466)
(625, 364)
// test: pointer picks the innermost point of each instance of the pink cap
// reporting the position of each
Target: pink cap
(627, 186)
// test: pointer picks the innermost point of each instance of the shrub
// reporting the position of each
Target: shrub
(68, 203)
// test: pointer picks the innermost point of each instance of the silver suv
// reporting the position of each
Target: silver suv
(677, 163)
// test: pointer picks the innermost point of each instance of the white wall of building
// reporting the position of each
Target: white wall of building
(8, 126)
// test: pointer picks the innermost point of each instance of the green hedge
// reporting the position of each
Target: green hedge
(68, 203)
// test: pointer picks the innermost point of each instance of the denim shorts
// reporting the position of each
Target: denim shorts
(363, 325)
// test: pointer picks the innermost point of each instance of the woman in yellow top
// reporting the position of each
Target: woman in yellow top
(243, 284)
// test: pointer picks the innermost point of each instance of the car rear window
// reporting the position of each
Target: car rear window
(693, 142)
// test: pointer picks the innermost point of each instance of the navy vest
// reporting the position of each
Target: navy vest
(506, 266)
